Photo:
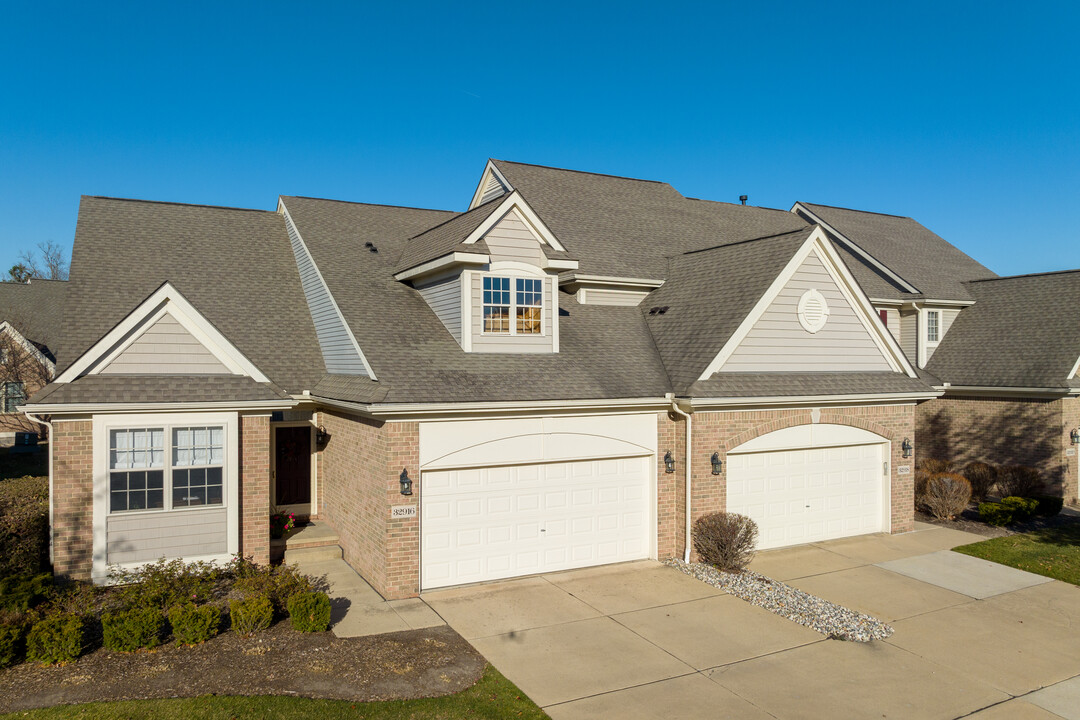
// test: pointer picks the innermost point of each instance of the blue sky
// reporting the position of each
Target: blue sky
(963, 115)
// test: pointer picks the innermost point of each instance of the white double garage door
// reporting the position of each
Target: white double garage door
(505, 498)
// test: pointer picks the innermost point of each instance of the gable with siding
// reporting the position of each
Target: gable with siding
(166, 348)
(778, 342)
(512, 239)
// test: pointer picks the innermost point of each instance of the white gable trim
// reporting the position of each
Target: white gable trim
(489, 170)
(440, 263)
(333, 301)
(1075, 369)
(166, 299)
(818, 243)
(514, 201)
(855, 248)
(6, 328)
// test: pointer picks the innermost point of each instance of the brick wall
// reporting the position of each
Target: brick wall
(255, 487)
(73, 499)
(723, 431)
(1003, 431)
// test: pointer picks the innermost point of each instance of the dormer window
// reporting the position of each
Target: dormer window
(525, 305)
(933, 320)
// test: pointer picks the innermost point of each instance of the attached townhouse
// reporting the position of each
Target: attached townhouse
(566, 374)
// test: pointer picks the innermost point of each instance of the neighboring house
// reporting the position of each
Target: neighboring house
(30, 315)
(527, 386)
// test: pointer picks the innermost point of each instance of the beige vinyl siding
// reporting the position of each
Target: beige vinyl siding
(509, 343)
(492, 189)
(909, 333)
(166, 348)
(444, 297)
(604, 296)
(338, 349)
(179, 534)
(511, 239)
(778, 342)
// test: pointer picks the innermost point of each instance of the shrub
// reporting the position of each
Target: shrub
(24, 525)
(933, 466)
(310, 611)
(12, 639)
(1048, 505)
(58, 638)
(22, 592)
(982, 478)
(251, 614)
(993, 513)
(726, 540)
(166, 583)
(278, 584)
(947, 495)
(1019, 481)
(130, 630)
(192, 624)
(1022, 508)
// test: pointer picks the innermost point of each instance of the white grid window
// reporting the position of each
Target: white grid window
(14, 396)
(525, 305)
(143, 476)
(933, 324)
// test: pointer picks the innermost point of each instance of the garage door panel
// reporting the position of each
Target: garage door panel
(551, 517)
(799, 496)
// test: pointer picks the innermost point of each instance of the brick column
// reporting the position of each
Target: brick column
(255, 487)
(73, 499)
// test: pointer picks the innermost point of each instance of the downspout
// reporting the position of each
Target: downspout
(670, 397)
(49, 425)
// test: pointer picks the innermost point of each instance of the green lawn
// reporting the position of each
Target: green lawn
(493, 697)
(1053, 552)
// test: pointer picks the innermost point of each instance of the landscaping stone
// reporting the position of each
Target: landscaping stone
(794, 604)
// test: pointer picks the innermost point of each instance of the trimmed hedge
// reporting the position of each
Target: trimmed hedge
(251, 615)
(1022, 508)
(12, 641)
(131, 630)
(995, 514)
(1048, 505)
(310, 611)
(192, 624)
(56, 639)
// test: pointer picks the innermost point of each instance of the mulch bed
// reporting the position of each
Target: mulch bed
(969, 521)
(280, 661)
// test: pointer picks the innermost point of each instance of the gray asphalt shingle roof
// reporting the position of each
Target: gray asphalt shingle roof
(1022, 331)
(157, 388)
(447, 237)
(236, 267)
(922, 258)
(36, 310)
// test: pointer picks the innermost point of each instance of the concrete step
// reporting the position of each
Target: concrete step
(312, 554)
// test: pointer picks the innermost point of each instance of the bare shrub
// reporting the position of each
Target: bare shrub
(725, 540)
(933, 466)
(947, 495)
(982, 478)
(1019, 481)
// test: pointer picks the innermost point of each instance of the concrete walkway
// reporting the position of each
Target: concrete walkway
(642, 640)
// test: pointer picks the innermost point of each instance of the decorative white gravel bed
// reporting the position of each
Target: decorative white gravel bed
(795, 605)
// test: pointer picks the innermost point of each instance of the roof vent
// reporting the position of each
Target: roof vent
(659, 310)
(743, 199)
(371, 246)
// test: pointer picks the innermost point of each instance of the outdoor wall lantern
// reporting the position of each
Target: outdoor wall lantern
(321, 436)
(669, 462)
(406, 482)
(717, 463)
(906, 447)
(1075, 436)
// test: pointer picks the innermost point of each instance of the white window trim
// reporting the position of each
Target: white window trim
(102, 424)
(513, 304)
(4, 396)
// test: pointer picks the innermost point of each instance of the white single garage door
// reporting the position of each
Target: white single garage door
(808, 494)
(498, 522)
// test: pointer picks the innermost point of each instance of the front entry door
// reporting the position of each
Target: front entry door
(292, 465)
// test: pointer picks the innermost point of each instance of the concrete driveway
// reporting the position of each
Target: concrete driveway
(642, 640)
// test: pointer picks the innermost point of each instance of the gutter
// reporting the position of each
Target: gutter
(992, 391)
(406, 410)
(52, 443)
(670, 397)
(814, 400)
(82, 408)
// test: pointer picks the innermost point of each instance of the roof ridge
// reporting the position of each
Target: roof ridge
(584, 172)
(864, 212)
(1025, 275)
(356, 202)
(179, 204)
(808, 228)
(754, 207)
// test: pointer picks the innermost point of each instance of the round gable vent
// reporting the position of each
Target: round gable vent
(813, 311)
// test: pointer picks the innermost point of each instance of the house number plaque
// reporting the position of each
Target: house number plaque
(400, 512)
(903, 469)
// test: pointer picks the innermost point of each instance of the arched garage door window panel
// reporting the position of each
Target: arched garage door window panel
(809, 436)
(538, 448)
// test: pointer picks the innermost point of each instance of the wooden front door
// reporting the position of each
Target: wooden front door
(292, 465)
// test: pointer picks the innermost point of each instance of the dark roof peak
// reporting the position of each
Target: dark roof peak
(353, 202)
(1025, 275)
(855, 210)
(737, 205)
(579, 172)
(178, 204)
